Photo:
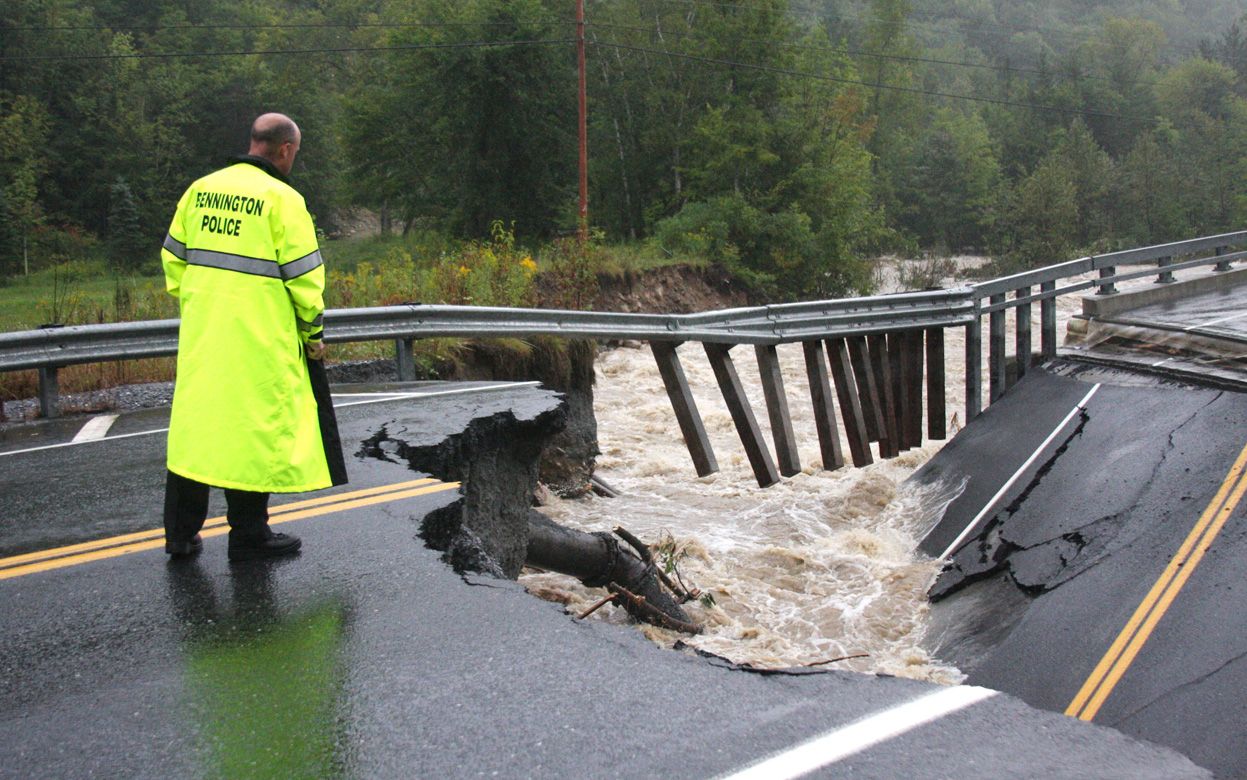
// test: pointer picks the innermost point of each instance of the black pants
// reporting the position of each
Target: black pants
(186, 508)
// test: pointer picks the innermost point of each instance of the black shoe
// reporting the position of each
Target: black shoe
(185, 549)
(266, 545)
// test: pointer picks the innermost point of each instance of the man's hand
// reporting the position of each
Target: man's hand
(316, 350)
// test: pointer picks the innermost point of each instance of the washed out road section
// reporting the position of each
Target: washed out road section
(1073, 554)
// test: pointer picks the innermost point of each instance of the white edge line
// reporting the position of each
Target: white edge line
(1017, 474)
(96, 428)
(862, 734)
(1216, 321)
(394, 397)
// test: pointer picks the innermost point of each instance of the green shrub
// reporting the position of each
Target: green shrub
(779, 253)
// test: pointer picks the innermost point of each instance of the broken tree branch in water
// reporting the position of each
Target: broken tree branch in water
(684, 594)
(650, 613)
(597, 560)
(841, 658)
(601, 603)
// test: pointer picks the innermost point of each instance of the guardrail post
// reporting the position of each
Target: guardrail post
(1022, 336)
(900, 381)
(742, 414)
(1107, 288)
(1224, 265)
(405, 359)
(777, 410)
(49, 391)
(937, 428)
(685, 407)
(824, 414)
(867, 392)
(1164, 277)
(881, 366)
(1047, 321)
(974, 368)
(850, 405)
(996, 348)
(911, 358)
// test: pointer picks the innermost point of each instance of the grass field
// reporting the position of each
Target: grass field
(80, 295)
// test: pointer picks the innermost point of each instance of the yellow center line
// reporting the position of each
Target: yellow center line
(116, 541)
(310, 509)
(1121, 654)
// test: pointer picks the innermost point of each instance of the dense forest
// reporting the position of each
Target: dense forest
(787, 140)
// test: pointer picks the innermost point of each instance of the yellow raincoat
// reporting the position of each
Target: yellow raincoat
(242, 258)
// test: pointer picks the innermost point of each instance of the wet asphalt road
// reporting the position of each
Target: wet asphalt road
(366, 656)
(1070, 561)
(1222, 313)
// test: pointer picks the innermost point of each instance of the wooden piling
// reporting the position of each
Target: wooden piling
(937, 427)
(824, 413)
(867, 390)
(850, 404)
(685, 407)
(913, 356)
(881, 367)
(900, 384)
(742, 414)
(777, 410)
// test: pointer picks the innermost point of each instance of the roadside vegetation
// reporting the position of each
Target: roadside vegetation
(424, 267)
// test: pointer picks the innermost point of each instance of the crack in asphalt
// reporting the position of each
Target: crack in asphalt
(997, 551)
(1177, 688)
(1112, 543)
(986, 542)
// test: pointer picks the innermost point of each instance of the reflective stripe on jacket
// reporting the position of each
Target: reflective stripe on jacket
(241, 257)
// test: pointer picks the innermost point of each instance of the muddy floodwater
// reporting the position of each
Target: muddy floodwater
(821, 566)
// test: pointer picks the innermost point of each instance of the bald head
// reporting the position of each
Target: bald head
(276, 138)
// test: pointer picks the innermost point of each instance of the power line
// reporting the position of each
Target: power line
(890, 87)
(324, 50)
(909, 22)
(282, 26)
(859, 53)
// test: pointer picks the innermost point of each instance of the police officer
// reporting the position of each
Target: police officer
(251, 410)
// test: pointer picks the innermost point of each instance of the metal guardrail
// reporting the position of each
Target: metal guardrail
(1164, 259)
(52, 348)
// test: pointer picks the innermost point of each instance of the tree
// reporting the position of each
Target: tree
(24, 129)
(1092, 172)
(953, 178)
(1208, 141)
(1149, 187)
(1041, 211)
(1124, 57)
(465, 135)
(128, 244)
(1230, 50)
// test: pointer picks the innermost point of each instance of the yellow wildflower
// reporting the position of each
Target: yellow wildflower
(528, 265)
(463, 270)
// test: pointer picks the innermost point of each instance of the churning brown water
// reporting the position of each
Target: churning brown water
(820, 566)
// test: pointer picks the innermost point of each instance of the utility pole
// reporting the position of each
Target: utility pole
(583, 222)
